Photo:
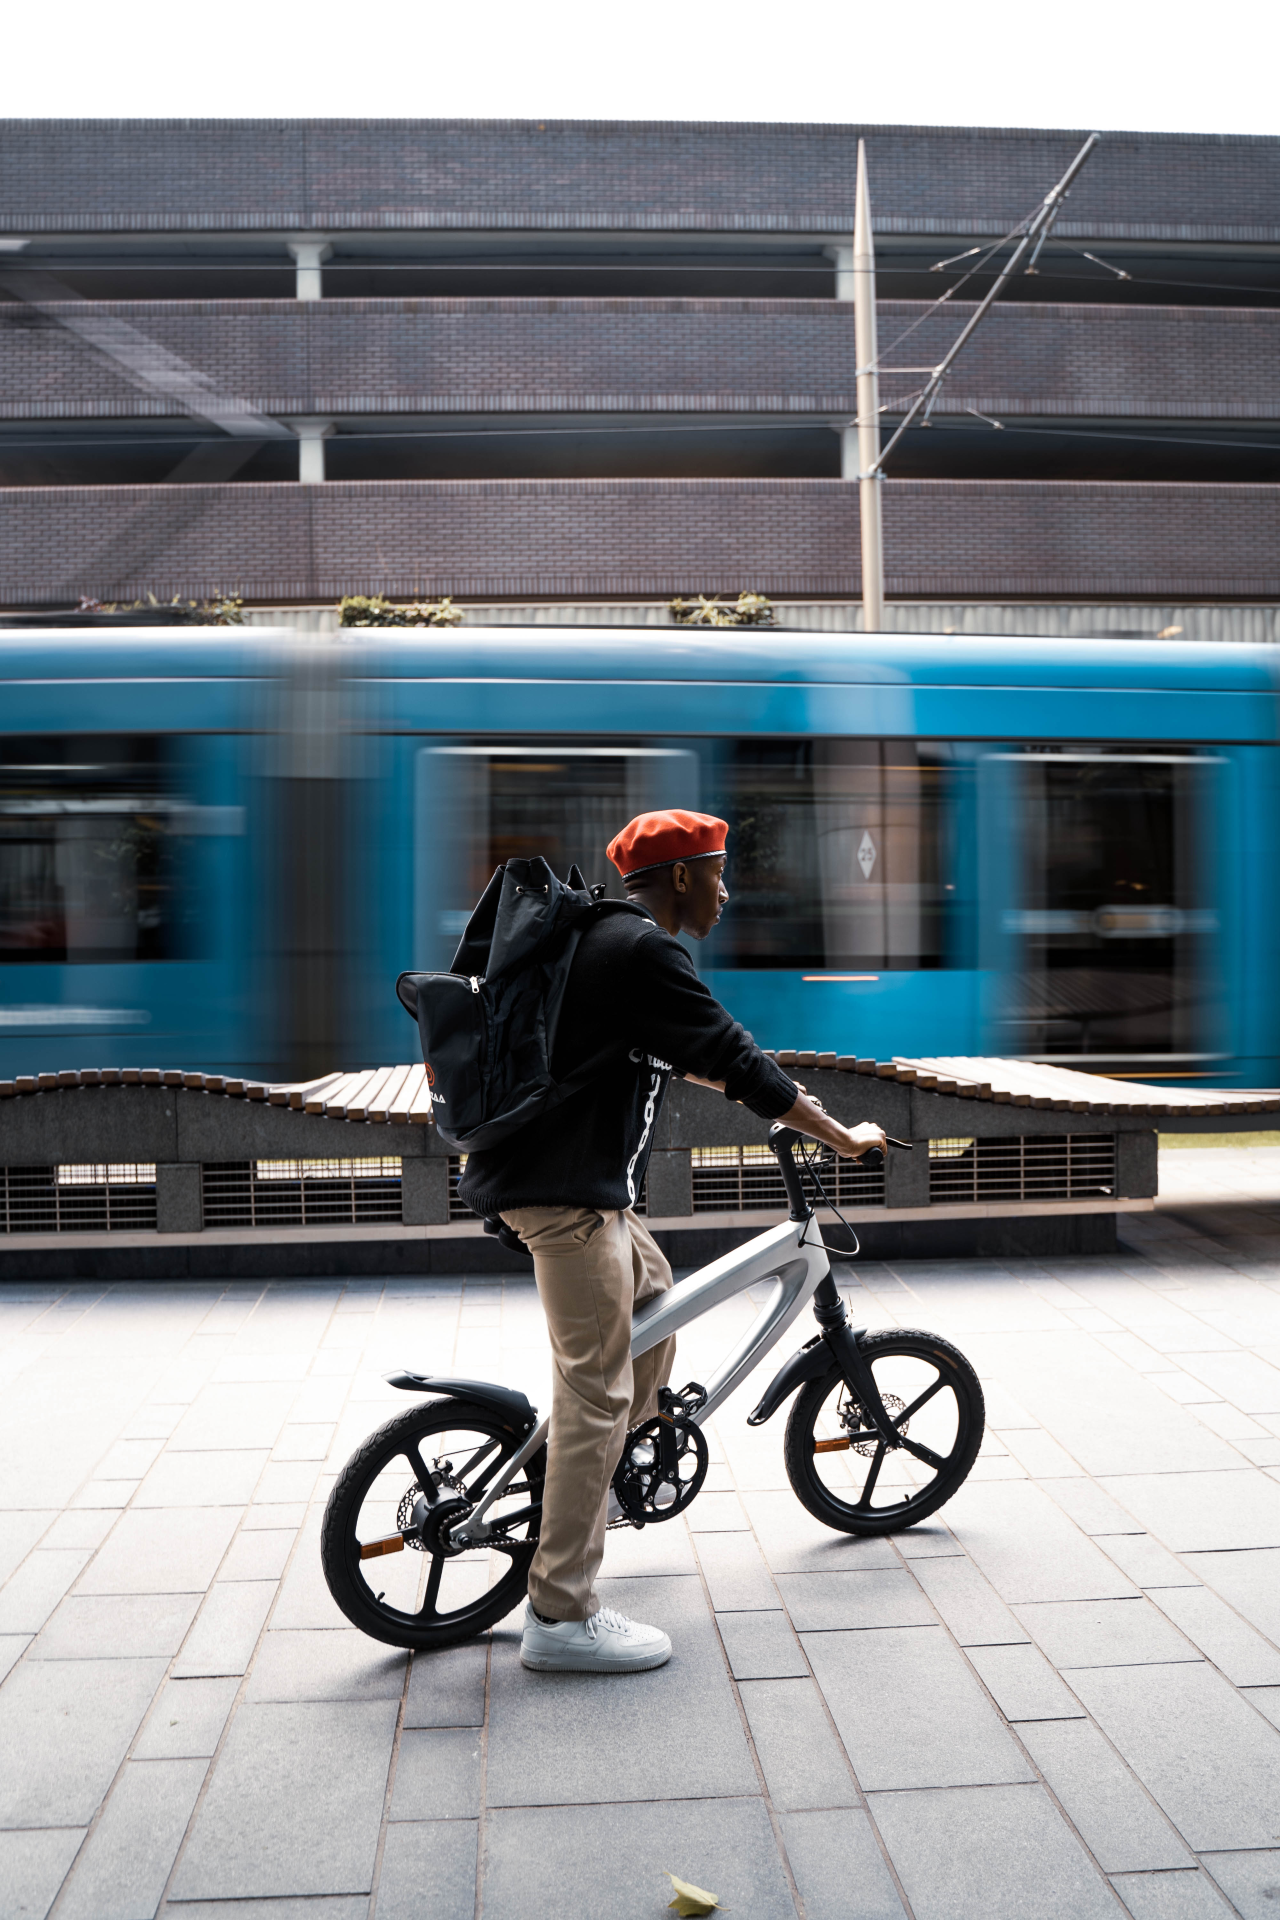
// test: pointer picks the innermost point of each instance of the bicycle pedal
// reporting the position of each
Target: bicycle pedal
(684, 1403)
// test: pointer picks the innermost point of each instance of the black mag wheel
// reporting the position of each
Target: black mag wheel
(840, 1468)
(385, 1546)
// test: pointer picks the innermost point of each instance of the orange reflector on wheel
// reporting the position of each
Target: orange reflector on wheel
(831, 1446)
(370, 1549)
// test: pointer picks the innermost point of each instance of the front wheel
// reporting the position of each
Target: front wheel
(840, 1468)
(385, 1544)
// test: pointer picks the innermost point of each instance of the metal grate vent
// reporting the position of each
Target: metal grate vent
(746, 1180)
(78, 1199)
(1079, 1166)
(459, 1210)
(301, 1193)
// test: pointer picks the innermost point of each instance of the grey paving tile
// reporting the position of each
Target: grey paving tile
(264, 1519)
(428, 1871)
(79, 1527)
(122, 1869)
(187, 1720)
(12, 1648)
(248, 1414)
(835, 1859)
(968, 1603)
(56, 1759)
(256, 1554)
(798, 1753)
(819, 1602)
(305, 1600)
(1104, 1633)
(287, 1482)
(794, 1542)
(1205, 1512)
(342, 1906)
(161, 1552)
(1210, 1761)
(437, 1775)
(115, 1626)
(1222, 1636)
(549, 1742)
(223, 1479)
(727, 1846)
(1189, 1895)
(1245, 1379)
(1146, 1562)
(910, 1712)
(295, 1803)
(19, 1532)
(33, 1866)
(99, 1495)
(1249, 1581)
(226, 1630)
(1118, 1821)
(999, 1853)
(930, 1541)
(717, 1513)
(1267, 1701)
(320, 1665)
(447, 1689)
(1093, 1511)
(761, 1646)
(1028, 1548)
(128, 1459)
(642, 1552)
(37, 1587)
(304, 1441)
(1023, 1684)
(1251, 1881)
(736, 1575)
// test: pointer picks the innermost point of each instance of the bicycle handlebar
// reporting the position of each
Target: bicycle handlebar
(783, 1142)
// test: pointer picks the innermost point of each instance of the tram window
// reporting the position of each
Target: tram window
(835, 854)
(1111, 922)
(86, 863)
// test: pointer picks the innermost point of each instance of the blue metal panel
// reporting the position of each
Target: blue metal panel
(877, 1017)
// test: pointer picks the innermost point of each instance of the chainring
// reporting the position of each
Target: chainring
(649, 1492)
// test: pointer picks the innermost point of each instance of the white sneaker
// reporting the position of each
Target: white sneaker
(606, 1643)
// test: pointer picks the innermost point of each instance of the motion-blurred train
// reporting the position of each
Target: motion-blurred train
(218, 848)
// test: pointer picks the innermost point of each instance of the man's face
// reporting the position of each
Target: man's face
(704, 895)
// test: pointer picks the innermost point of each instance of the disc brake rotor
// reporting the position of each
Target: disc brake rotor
(852, 1417)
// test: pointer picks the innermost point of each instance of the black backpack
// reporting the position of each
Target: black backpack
(488, 1026)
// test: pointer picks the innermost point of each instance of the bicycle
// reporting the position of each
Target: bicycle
(904, 1404)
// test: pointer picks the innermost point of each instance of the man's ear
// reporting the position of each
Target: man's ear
(680, 877)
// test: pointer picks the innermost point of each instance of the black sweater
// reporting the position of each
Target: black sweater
(631, 984)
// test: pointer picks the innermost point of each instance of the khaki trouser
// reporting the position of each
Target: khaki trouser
(591, 1269)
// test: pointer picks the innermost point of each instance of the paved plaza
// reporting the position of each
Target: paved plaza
(1060, 1698)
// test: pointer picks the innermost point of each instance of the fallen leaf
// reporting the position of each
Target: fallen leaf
(690, 1899)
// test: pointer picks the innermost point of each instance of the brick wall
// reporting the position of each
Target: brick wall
(769, 356)
(596, 538)
(274, 175)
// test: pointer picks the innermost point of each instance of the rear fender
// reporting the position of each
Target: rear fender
(512, 1408)
(813, 1360)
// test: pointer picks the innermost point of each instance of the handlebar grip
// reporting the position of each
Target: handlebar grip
(872, 1159)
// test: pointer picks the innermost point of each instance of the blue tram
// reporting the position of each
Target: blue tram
(217, 850)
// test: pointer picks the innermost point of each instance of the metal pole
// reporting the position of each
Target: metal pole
(1036, 233)
(868, 394)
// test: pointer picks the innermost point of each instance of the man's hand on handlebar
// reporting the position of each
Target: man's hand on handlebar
(808, 1117)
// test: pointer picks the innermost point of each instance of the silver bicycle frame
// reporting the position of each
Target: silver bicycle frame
(796, 1261)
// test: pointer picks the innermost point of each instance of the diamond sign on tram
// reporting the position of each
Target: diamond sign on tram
(866, 853)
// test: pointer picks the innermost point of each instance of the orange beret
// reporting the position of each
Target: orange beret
(656, 839)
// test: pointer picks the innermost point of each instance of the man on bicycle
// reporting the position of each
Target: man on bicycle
(568, 1186)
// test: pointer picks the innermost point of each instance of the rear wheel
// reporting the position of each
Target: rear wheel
(385, 1544)
(845, 1474)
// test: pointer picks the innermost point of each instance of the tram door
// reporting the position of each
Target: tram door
(1099, 908)
(477, 806)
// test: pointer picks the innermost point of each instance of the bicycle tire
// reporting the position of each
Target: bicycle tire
(340, 1542)
(848, 1516)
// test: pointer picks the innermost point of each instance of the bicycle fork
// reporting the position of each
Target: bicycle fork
(838, 1342)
